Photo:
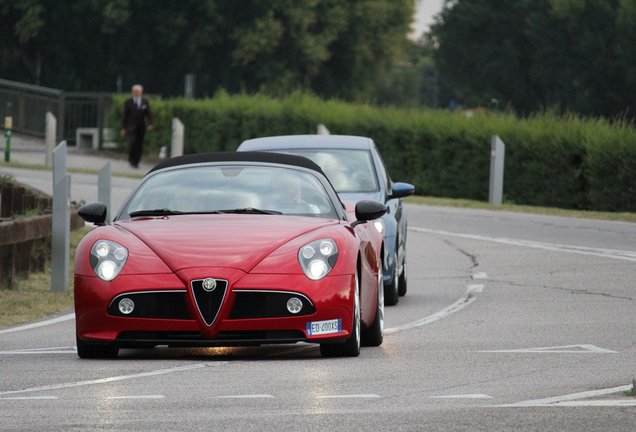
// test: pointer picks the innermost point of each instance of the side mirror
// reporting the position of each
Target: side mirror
(93, 212)
(401, 190)
(368, 210)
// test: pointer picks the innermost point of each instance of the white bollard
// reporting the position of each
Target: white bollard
(322, 130)
(497, 156)
(50, 136)
(176, 145)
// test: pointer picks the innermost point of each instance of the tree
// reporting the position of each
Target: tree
(332, 47)
(570, 55)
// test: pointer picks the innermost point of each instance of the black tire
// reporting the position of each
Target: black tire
(403, 283)
(87, 350)
(374, 335)
(351, 347)
(391, 294)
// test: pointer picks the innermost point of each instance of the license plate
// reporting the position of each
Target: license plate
(324, 327)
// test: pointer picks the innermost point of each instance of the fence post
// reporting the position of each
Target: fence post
(176, 145)
(103, 188)
(497, 155)
(50, 137)
(60, 241)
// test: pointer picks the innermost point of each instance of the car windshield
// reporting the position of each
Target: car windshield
(349, 170)
(244, 189)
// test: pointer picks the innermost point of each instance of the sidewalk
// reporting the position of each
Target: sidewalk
(31, 150)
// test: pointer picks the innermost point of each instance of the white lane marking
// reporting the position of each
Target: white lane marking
(250, 396)
(567, 349)
(112, 379)
(558, 400)
(30, 398)
(463, 396)
(581, 250)
(479, 275)
(455, 307)
(598, 403)
(350, 396)
(137, 397)
(48, 322)
(51, 350)
(475, 288)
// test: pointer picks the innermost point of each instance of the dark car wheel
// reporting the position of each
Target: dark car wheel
(402, 287)
(391, 296)
(90, 351)
(351, 347)
(374, 335)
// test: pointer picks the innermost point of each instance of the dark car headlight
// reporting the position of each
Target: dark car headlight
(107, 259)
(318, 258)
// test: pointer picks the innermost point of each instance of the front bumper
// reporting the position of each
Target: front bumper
(251, 312)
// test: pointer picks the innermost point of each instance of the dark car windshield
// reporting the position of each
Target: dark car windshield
(349, 170)
(243, 189)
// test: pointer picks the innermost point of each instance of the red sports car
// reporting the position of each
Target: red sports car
(225, 249)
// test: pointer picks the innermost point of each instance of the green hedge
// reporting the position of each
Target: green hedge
(564, 162)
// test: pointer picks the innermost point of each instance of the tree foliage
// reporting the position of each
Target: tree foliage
(331, 47)
(574, 55)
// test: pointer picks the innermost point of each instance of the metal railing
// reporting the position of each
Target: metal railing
(28, 105)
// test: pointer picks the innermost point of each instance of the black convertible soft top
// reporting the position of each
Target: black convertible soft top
(267, 157)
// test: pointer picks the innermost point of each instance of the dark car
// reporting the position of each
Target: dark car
(356, 170)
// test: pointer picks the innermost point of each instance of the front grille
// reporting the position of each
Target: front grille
(267, 304)
(154, 304)
(210, 300)
(189, 339)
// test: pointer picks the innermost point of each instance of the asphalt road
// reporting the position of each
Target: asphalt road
(511, 322)
(83, 186)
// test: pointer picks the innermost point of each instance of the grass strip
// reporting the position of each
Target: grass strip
(31, 299)
(515, 208)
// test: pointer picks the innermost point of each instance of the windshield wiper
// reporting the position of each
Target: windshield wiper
(251, 210)
(155, 212)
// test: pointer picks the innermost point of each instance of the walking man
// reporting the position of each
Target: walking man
(133, 124)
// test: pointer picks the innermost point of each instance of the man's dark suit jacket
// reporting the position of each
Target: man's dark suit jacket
(134, 119)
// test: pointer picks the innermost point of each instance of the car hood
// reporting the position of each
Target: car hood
(234, 241)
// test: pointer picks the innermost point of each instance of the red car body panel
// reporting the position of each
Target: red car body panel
(251, 252)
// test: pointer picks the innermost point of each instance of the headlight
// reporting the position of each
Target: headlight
(318, 258)
(107, 259)
(379, 225)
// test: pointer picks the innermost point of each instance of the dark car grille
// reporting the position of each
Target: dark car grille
(154, 304)
(267, 304)
(209, 301)
(189, 339)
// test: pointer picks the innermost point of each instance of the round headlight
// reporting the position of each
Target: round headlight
(326, 248)
(107, 270)
(294, 305)
(102, 249)
(120, 254)
(317, 269)
(308, 252)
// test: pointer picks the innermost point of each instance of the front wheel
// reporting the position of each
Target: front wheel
(402, 280)
(351, 347)
(391, 291)
(374, 335)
